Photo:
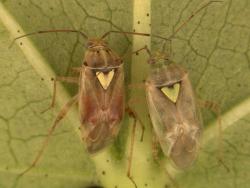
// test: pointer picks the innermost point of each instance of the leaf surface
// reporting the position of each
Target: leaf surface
(213, 47)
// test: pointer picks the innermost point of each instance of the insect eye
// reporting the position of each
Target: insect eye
(171, 91)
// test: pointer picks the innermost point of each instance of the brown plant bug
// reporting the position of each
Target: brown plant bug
(101, 95)
(173, 109)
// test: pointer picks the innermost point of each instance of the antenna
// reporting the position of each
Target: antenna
(50, 31)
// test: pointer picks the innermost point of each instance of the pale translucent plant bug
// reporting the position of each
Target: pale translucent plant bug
(172, 105)
(176, 119)
(101, 95)
(173, 111)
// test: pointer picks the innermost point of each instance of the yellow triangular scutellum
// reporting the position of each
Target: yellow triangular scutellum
(172, 92)
(105, 79)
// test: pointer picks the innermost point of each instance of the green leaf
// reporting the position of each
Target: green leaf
(213, 47)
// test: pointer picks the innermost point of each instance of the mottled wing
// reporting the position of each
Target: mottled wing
(175, 118)
(101, 109)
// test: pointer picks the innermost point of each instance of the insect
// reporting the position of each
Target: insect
(101, 95)
(173, 111)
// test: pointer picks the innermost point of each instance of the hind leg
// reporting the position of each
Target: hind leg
(161, 163)
(133, 114)
(215, 108)
(59, 117)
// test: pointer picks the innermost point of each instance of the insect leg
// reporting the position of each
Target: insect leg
(155, 143)
(74, 80)
(76, 69)
(215, 108)
(132, 114)
(155, 146)
(137, 51)
(59, 117)
(151, 60)
(155, 151)
(131, 152)
(143, 48)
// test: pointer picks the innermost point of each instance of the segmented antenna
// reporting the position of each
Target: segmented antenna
(49, 31)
